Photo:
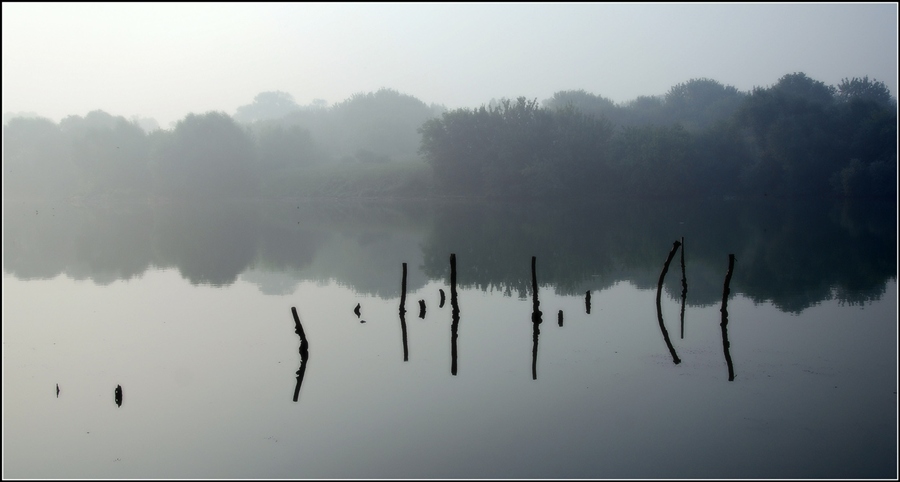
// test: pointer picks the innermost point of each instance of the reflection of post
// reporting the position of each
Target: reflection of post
(683, 287)
(587, 302)
(535, 318)
(725, 292)
(304, 352)
(403, 314)
(662, 325)
(454, 305)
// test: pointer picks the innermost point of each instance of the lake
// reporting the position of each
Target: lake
(188, 309)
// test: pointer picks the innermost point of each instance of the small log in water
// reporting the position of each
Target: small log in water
(724, 324)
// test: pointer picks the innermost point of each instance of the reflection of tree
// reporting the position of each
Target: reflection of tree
(42, 240)
(793, 255)
(211, 243)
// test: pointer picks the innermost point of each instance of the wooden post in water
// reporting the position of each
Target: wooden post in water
(403, 314)
(559, 318)
(454, 304)
(587, 302)
(662, 325)
(683, 287)
(304, 352)
(724, 324)
(422, 309)
(535, 317)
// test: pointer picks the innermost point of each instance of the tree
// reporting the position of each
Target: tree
(864, 89)
(583, 101)
(37, 159)
(799, 86)
(644, 109)
(207, 155)
(266, 105)
(698, 103)
(110, 152)
(282, 147)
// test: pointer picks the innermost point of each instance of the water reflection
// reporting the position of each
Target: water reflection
(278, 245)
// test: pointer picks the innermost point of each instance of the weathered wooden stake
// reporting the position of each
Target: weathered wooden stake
(662, 325)
(403, 315)
(454, 304)
(535, 317)
(724, 324)
(304, 352)
(683, 287)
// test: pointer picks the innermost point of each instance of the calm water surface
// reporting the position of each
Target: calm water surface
(188, 309)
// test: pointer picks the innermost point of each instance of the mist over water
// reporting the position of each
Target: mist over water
(195, 323)
(449, 241)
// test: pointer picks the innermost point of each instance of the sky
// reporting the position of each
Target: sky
(166, 60)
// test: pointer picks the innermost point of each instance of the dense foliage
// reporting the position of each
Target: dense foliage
(798, 137)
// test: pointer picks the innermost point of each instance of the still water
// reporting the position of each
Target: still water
(188, 308)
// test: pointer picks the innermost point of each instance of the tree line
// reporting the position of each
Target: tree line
(798, 137)
(210, 154)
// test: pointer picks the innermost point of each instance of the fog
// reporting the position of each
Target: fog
(164, 61)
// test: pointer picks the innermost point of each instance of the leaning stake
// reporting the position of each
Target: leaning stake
(725, 292)
(662, 326)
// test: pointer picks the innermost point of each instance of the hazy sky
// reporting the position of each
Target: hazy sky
(165, 60)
